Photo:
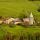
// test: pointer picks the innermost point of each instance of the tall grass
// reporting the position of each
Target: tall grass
(19, 33)
(33, 36)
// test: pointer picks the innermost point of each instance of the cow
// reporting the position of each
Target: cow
(26, 21)
(1, 21)
(8, 21)
(17, 21)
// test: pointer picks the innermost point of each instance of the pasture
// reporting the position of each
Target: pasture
(18, 31)
(14, 8)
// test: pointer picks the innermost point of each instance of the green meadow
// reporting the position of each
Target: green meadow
(14, 8)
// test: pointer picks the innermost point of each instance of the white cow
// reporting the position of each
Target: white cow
(9, 20)
(1, 21)
(17, 21)
(26, 21)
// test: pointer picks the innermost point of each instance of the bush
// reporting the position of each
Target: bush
(38, 9)
(23, 14)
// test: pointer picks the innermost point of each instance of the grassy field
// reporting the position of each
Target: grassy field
(17, 31)
(14, 8)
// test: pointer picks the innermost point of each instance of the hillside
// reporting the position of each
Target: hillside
(11, 8)
(14, 8)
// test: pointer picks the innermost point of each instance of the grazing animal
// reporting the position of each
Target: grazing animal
(25, 21)
(1, 21)
(8, 21)
(28, 21)
(17, 21)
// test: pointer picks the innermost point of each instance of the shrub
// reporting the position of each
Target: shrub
(23, 14)
(38, 9)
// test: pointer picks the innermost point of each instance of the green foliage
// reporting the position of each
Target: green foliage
(23, 14)
(14, 8)
(17, 32)
(38, 9)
